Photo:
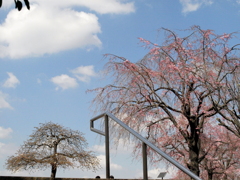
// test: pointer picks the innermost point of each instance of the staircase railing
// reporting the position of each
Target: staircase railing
(145, 143)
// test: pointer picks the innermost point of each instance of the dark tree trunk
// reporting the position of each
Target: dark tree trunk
(210, 175)
(193, 165)
(194, 148)
(53, 172)
(54, 165)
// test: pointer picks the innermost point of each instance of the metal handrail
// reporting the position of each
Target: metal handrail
(144, 140)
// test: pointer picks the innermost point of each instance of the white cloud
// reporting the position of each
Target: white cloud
(3, 102)
(4, 133)
(7, 149)
(47, 30)
(99, 6)
(193, 5)
(113, 166)
(118, 147)
(39, 81)
(12, 81)
(84, 73)
(64, 81)
(99, 148)
(53, 26)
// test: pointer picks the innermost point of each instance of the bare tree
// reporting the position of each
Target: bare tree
(169, 91)
(52, 145)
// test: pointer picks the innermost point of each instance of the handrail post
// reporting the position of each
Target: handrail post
(106, 116)
(106, 121)
(145, 166)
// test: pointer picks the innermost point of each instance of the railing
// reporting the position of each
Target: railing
(145, 143)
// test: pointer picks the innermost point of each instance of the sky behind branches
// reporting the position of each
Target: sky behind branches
(51, 55)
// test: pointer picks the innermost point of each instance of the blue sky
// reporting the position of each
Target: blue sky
(53, 53)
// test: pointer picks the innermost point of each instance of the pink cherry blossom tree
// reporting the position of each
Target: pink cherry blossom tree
(229, 106)
(221, 149)
(168, 95)
(222, 160)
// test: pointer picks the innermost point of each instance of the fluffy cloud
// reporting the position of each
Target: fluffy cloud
(84, 73)
(3, 102)
(99, 148)
(64, 81)
(4, 133)
(119, 146)
(47, 30)
(99, 6)
(7, 149)
(54, 26)
(12, 81)
(193, 5)
(113, 166)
